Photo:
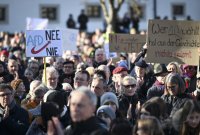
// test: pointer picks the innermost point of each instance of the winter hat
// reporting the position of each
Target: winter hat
(123, 63)
(180, 116)
(119, 70)
(4, 52)
(107, 110)
(58, 98)
(141, 63)
(160, 69)
(109, 97)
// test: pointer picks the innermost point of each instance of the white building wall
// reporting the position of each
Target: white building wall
(20, 9)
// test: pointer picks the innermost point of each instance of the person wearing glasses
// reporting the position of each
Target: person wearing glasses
(14, 120)
(128, 98)
(174, 93)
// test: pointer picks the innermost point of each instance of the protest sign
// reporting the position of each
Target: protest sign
(69, 39)
(126, 42)
(173, 41)
(108, 53)
(41, 43)
(36, 23)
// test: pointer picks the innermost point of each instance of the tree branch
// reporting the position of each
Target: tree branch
(120, 2)
(103, 6)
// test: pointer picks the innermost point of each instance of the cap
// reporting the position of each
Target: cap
(107, 110)
(119, 69)
(109, 97)
(160, 69)
(141, 64)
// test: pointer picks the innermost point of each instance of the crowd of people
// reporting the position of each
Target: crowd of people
(85, 93)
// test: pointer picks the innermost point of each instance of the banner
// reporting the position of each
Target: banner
(41, 43)
(173, 41)
(126, 42)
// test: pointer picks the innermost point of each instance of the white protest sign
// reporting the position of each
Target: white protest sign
(41, 43)
(69, 38)
(108, 53)
(36, 23)
(173, 41)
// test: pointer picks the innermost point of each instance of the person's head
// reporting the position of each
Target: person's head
(34, 66)
(128, 86)
(81, 78)
(174, 67)
(174, 84)
(4, 56)
(6, 95)
(33, 85)
(188, 117)
(19, 87)
(110, 99)
(12, 66)
(81, 66)
(120, 126)
(148, 126)
(68, 67)
(160, 71)
(140, 68)
(56, 97)
(153, 107)
(106, 69)
(50, 60)
(82, 104)
(38, 93)
(99, 84)
(189, 70)
(59, 63)
(52, 77)
(100, 55)
(28, 73)
(106, 113)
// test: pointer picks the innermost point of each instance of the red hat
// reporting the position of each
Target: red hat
(4, 52)
(119, 70)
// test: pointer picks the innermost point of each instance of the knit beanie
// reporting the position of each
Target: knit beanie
(109, 97)
(107, 110)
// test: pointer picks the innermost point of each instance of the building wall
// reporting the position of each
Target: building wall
(20, 9)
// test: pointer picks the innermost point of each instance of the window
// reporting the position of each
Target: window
(94, 11)
(50, 12)
(3, 13)
(178, 10)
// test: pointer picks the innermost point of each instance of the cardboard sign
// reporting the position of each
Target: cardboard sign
(126, 42)
(108, 53)
(41, 43)
(69, 38)
(36, 23)
(173, 41)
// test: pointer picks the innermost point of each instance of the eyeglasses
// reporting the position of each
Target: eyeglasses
(5, 94)
(130, 86)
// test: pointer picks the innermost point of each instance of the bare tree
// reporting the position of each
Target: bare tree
(110, 10)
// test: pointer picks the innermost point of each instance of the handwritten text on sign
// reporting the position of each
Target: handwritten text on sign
(41, 43)
(126, 42)
(173, 41)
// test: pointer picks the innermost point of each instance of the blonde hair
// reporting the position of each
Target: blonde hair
(178, 69)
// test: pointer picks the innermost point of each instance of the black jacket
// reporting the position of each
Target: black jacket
(85, 128)
(16, 123)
